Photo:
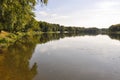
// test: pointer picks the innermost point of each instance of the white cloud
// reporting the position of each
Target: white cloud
(43, 13)
(51, 15)
(98, 13)
(87, 18)
(55, 16)
(107, 5)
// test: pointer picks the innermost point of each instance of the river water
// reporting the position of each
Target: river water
(62, 57)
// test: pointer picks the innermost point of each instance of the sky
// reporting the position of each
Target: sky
(80, 13)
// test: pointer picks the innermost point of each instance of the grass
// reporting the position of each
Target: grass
(3, 34)
(4, 39)
(7, 38)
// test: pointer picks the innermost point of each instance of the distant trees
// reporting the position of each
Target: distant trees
(91, 30)
(61, 29)
(45, 27)
(48, 27)
(114, 28)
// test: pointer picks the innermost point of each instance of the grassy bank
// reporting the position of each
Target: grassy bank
(7, 38)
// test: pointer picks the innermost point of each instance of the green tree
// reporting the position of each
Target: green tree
(15, 14)
(114, 28)
(61, 29)
(32, 25)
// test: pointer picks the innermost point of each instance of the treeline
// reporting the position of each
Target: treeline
(48, 27)
(114, 28)
(34, 25)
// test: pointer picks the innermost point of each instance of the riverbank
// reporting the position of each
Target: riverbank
(7, 38)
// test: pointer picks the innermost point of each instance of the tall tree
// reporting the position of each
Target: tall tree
(15, 14)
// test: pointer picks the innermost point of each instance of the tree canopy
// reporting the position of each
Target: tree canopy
(114, 28)
(15, 14)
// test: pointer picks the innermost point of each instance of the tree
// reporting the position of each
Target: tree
(15, 14)
(114, 28)
(61, 29)
(32, 25)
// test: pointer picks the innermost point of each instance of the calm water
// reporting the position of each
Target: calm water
(49, 57)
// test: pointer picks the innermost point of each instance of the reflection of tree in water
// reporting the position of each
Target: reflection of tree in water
(14, 62)
(56, 36)
(114, 36)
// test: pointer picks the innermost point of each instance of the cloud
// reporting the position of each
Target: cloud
(55, 16)
(51, 15)
(108, 4)
(43, 13)
(98, 13)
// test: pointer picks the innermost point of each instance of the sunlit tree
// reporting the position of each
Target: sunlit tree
(15, 14)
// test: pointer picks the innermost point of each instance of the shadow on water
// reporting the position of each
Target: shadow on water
(115, 36)
(14, 62)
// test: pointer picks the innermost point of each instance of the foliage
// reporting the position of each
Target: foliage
(32, 25)
(48, 27)
(15, 14)
(92, 30)
(114, 28)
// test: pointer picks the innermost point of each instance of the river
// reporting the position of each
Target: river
(62, 57)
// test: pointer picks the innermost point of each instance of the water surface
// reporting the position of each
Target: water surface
(78, 58)
(56, 57)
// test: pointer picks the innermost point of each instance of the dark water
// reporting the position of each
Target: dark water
(62, 57)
